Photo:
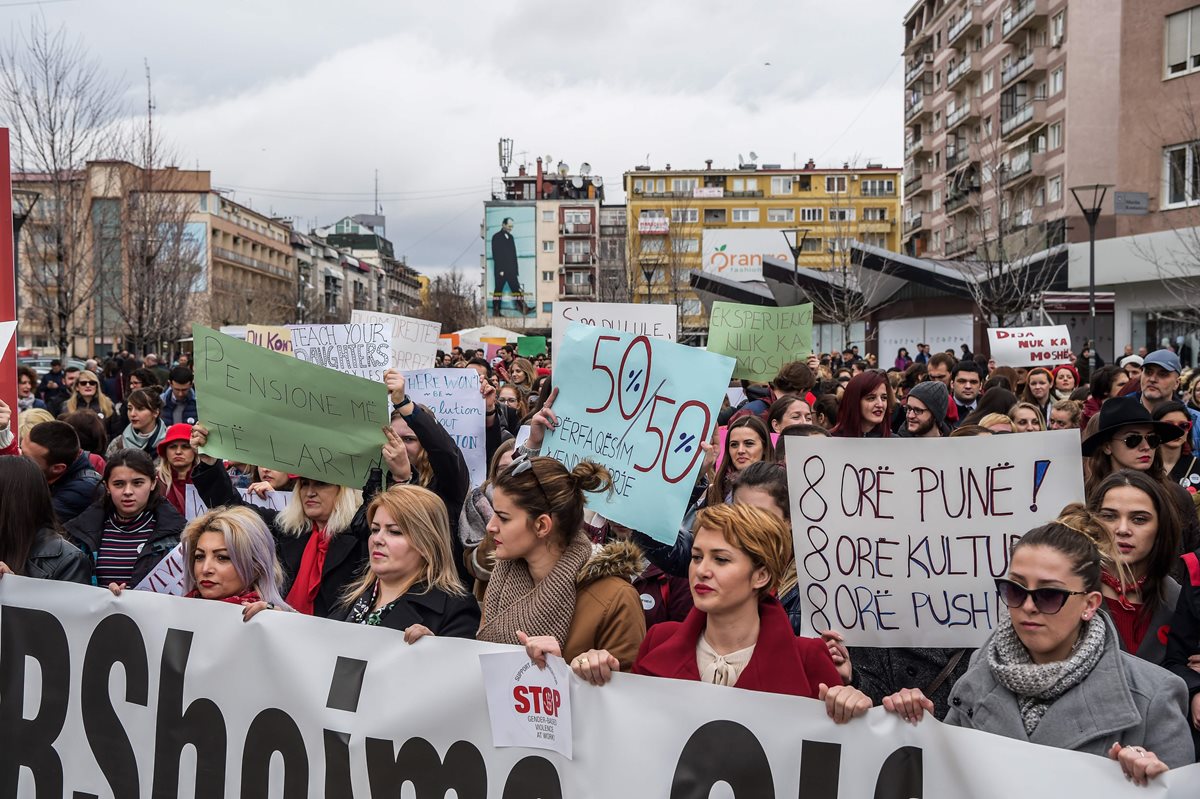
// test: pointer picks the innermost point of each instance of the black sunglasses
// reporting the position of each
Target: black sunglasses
(86, 383)
(1046, 600)
(1134, 440)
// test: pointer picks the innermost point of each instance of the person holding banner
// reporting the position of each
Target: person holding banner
(866, 408)
(411, 584)
(1057, 661)
(270, 480)
(131, 527)
(31, 541)
(230, 557)
(321, 535)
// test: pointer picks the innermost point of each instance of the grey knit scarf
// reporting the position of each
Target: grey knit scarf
(1037, 685)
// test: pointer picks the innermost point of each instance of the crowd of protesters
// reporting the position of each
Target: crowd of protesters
(1100, 652)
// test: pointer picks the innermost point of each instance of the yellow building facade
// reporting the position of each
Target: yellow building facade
(724, 221)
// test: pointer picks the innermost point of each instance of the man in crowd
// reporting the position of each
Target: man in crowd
(922, 354)
(151, 362)
(1160, 383)
(965, 383)
(54, 447)
(925, 411)
(179, 400)
(940, 366)
(58, 398)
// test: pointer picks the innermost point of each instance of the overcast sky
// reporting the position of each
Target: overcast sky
(295, 104)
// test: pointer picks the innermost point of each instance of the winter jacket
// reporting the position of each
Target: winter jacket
(1123, 699)
(87, 531)
(1154, 646)
(1183, 637)
(608, 614)
(782, 663)
(75, 489)
(344, 559)
(882, 671)
(187, 413)
(664, 597)
(54, 558)
(447, 615)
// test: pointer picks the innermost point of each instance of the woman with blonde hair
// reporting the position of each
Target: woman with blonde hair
(997, 423)
(231, 558)
(86, 395)
(27, 420)
(1026, 418)
(411, 583)
(522, 373)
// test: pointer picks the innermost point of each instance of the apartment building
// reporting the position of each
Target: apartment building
(393, 284)
(1011, 103)
(725, 222)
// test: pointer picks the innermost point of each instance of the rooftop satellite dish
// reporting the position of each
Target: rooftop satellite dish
(585, 168)
(753, 156)
(577, 182)
(547, 160)
(597, 181)
(742, 160)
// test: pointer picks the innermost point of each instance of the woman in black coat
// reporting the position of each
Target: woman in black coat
(411, 584)
(31, 544)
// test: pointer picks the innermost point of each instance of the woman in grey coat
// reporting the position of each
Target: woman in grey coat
(1054, 673)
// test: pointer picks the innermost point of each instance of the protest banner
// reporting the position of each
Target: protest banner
(453, 396)
(640, 407)
(1048, 345)
(276, 339)
(638, 318)
(529, 346)
(362, 349)
(272, 410)
(135, 695)
(413, 342)
(761, 339)
(899, 543)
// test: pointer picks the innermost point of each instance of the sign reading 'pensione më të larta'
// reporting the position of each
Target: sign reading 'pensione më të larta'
(899, 541)
(274, 410)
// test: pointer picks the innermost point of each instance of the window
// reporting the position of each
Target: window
(841, 214)
(1058, 28)
(989, 33)
(547, 307)
(1056, 81)
(835, 184)
(548, 216)
(684, 185)
(745, 184)
(576, 278)
(652, 213)
(690, 307)
(1055, 136)
(578, 247)
(1054, 189)
(1039, 197)
(840, 244)
(578, 216)
(637, 184)
(781, 215)
(547, 277)
(745, 214)
(937, 234)
(878, 188)
(652, 246)
(812, 244)
(1183, 42)
(875, 214)
(875, 240)
(685, 215)
(1182, 174)
(937, 120)
(989, 78)
(812, 214)
(548, 246)
(685, 245)
(781, 185)
(935, 200)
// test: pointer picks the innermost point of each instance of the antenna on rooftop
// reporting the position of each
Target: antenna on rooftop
(505, 155)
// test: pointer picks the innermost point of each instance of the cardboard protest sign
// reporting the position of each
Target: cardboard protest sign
(316, 714)
(276, 339)
(640, 407)
(528, 706)
(453, 396)
(1048, 345)
(638, 318)
(762, 339)
(275, 500)
(362, 349)
(529, 346)
(413, 342)
(168, 576)
(271, 410)
(899, 542)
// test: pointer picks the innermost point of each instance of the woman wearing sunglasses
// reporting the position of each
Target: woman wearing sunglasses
(1053, 672)
(86, 396)
(1179, 460)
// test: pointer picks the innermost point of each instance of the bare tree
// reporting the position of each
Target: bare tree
(60, 109)
(665, 243)
(451, 300)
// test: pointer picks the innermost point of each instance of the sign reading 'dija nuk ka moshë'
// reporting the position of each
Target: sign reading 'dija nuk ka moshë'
(1048, 345)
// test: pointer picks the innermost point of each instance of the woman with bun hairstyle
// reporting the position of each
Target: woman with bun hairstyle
(547, 592)
(1053, 672)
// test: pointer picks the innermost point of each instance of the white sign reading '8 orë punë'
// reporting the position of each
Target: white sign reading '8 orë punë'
(899, 542)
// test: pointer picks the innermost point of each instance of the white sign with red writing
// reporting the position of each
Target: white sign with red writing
(528, 706)
(167, 577)
(1031, 346)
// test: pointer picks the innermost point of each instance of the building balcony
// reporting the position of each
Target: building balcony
(613, 230)
(576, 290)
(754, 193)
(876, 225)
(1021, 15)
(968, 65)
(970, 22)
(1031, 65)
(958, 246)
(960, 156)
(922, 63)
(1022, 167)
(916, 109)
(914, 183)
(253, 263)
(579, 258)
(918, 146)
(917, 43)
(913, 225)
(960, 200)
(877, 192)
(1023, 118)
(966, 111)
(577, 229)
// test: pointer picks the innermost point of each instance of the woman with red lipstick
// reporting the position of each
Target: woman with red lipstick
(176, 457)
(232, 557)
(1139, 514)
(131, 528)
(865, 408)
(747, 441)
(1054, 673)
(411, 583)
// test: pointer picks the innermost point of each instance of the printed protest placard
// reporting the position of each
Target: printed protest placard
(268, 409)
(453, 396)
(528, 706)
(276, 339)
(898, 543)
(638, 318)
(1048, 345)
(414, 342)
(362, 349)
(640, 407)
(761, 339)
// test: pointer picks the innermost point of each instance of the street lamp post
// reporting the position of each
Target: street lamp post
(23, 201)
(648, 273)
(795, 243)
(1090, 200)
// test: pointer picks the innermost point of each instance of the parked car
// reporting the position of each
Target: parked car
(42, 365)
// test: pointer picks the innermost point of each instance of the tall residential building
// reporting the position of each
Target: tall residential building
(1010, 103)
(726, 221)
(394, 287)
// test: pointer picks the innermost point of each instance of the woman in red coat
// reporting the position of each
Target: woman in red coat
(737, 634)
